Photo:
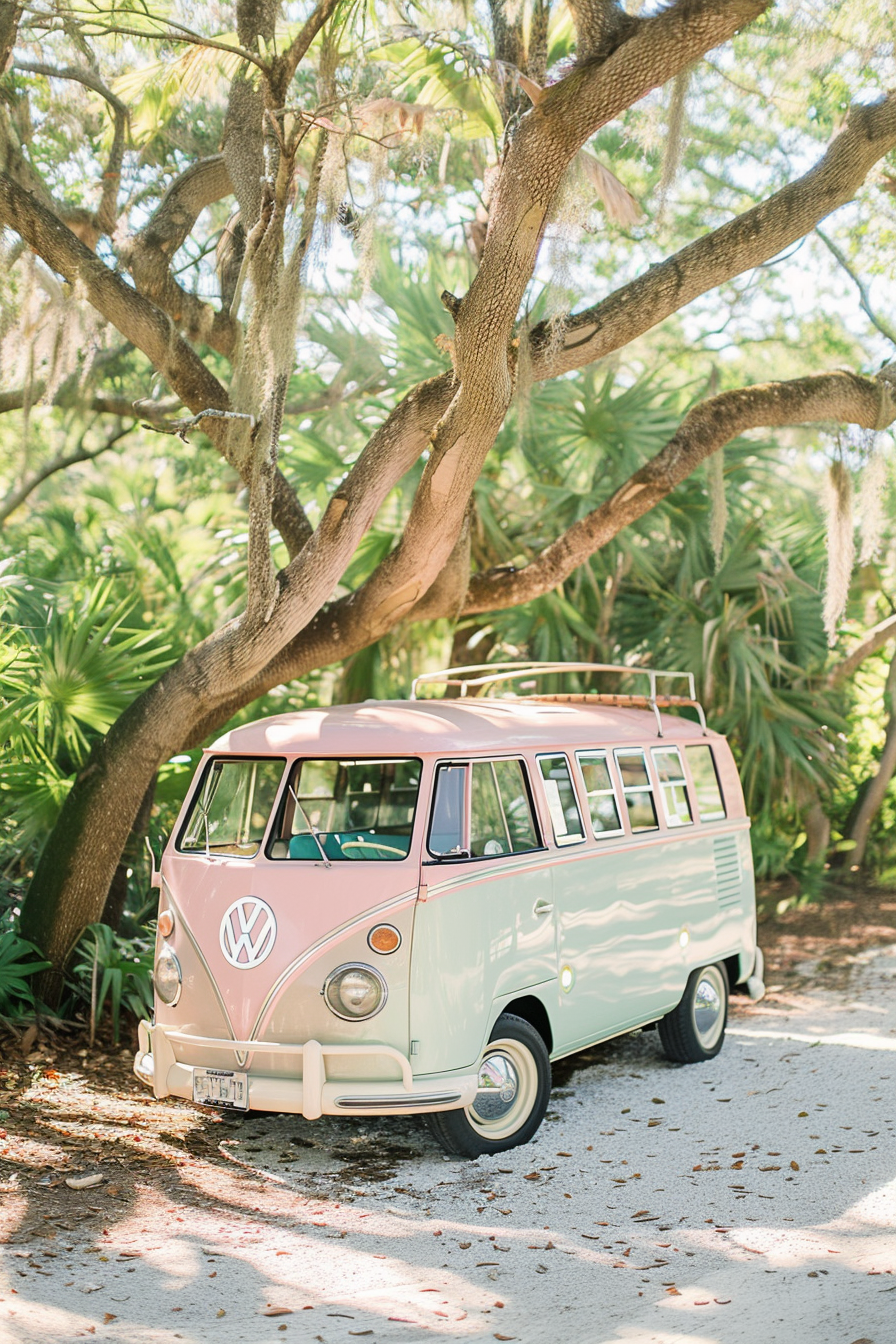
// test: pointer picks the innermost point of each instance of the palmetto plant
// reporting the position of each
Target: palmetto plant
(66, 672)
(19, 962)
(116, 969)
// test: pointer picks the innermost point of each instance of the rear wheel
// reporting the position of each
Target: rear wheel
(695, 1030)
(513, 1093)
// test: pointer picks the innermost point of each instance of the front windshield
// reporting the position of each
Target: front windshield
(338, 810)
(230, 812)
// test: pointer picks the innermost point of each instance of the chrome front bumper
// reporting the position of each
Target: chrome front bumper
(312, 1095)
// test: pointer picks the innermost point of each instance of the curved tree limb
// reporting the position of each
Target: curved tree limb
(843, 397)
(107, 212)
(146, 327)
(534, 166)
(871, 642)
(744, 242)
(149, 253)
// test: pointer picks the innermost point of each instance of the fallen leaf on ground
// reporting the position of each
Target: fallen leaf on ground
(84, 1182)
(275, 1311)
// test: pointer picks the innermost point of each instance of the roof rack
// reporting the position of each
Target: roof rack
(490, 674)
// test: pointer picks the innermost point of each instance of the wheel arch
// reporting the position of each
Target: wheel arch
(533, 1011)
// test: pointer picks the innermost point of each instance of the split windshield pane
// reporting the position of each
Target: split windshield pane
(345, 810)
(231, 810)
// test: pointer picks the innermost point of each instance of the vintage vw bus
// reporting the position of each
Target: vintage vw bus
(404, 907)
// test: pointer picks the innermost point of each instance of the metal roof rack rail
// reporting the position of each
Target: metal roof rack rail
(490, 674)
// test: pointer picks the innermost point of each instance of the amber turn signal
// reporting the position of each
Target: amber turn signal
(384, 938)
(166, 923)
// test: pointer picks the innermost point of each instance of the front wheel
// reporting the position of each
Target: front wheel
(695, 1030)
(512, 1097)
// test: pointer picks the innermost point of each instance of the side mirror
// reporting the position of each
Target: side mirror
(155, 879)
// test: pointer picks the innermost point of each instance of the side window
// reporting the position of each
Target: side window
(501, 816)
(446, 828)
(561, 796)
(602, 802)
(710, 803)
(637, 788)
(501, 820)
(673, 789)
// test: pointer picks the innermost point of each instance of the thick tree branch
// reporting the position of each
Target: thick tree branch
(149, 253)
(145, 326)
(138, 320)
(533, 169)
(745, 242)
(283, 67)
(601, 26)
(107, 212)
(843, 397)
(871, 642)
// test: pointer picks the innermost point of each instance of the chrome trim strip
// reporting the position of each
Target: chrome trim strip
(394, 1103)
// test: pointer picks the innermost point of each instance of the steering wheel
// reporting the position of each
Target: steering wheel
(373, 844)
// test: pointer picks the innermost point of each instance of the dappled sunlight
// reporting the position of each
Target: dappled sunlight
(859, 1040)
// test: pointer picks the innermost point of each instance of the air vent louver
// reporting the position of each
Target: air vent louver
(728, 871)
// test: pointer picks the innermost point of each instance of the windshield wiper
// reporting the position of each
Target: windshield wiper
(312, 830)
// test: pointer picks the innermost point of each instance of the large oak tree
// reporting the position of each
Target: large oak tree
(227, 361)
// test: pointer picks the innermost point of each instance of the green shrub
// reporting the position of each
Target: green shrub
(107, 966)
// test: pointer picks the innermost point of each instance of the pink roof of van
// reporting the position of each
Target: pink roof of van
(414, 727)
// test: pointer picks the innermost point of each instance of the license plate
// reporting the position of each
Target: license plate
(221, 1087)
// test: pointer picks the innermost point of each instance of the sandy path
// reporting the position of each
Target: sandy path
(749, 1199)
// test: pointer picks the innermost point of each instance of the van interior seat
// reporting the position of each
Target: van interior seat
(304, 846)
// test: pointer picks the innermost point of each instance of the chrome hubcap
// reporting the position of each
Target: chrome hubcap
(709, 1006)
(497, 1088)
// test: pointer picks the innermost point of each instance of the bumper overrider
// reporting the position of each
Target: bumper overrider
(312, 1095)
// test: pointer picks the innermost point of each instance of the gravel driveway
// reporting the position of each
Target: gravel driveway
(752, 1198)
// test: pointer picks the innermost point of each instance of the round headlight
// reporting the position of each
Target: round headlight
(355, 992)
(167, 976)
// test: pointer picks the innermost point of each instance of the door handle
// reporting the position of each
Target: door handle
(542, 908)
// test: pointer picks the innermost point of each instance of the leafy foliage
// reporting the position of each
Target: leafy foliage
(114, 969)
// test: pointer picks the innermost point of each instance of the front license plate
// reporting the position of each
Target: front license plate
(221, 1087)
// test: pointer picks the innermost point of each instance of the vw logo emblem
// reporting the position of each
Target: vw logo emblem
(248, 931)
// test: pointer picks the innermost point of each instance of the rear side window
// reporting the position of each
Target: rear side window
(673, 788)
(561, 796)
(706, 783)
(602, 802)
(230, 812)
(637, 789)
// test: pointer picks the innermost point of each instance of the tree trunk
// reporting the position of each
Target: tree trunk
(75, 871)
(871, 794)
(132, 856)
